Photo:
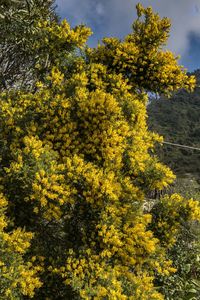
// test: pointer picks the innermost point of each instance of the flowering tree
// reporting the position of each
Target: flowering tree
(77, 164)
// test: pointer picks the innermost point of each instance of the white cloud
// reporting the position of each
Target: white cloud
(100, 9)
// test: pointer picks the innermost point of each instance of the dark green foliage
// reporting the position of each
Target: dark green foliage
(178, 120)
(18, 34)
(185, 283)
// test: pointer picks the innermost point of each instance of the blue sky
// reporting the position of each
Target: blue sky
(114, 18)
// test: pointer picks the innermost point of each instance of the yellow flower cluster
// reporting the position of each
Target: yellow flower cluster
(18, 241)
(172, 210)
(29, 280)
(104, 281)
(140, 57)
(61, 34)
(194, 209)
(16, 276)
(3, 205)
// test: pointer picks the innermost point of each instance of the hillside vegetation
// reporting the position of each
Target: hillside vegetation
(177, 119)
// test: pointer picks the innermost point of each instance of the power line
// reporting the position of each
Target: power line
(181, 146)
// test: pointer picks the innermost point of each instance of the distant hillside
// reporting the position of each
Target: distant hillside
(178, 120)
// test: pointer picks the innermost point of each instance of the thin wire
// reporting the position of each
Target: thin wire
(181, 146)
